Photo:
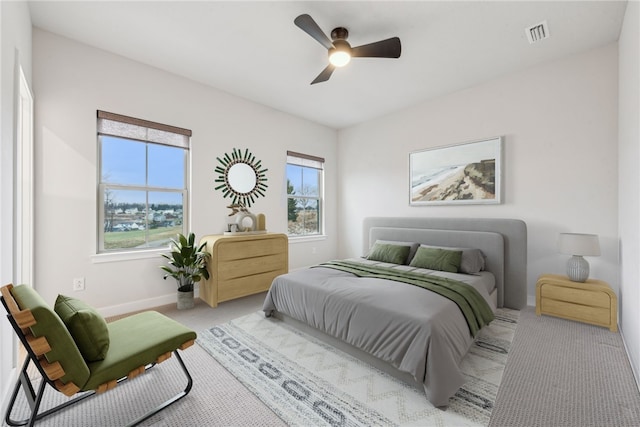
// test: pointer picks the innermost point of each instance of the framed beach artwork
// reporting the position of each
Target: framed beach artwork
(468, 173)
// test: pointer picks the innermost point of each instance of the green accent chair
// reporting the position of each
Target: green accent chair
(133, 345)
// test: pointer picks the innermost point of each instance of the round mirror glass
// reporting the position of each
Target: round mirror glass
(241, 178)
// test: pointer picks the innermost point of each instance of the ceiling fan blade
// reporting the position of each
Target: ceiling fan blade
(309, 26)
(324, 75)
(389, 48)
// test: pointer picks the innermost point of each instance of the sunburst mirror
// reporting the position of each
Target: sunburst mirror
(241, 177)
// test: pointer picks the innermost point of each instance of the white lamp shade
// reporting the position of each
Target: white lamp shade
(579, 244)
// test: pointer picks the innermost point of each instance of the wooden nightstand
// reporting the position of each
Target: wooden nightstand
(591, 302)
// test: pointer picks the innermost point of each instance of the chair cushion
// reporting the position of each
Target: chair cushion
(49, 325)
(88, 329)
(137, 341)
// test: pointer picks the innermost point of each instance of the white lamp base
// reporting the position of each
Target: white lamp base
(578, 269)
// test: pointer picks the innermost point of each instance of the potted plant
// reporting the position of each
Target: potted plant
(187, 264)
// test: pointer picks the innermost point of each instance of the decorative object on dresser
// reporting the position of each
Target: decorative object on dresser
(187, 264)
(578, 245)
(244, 221)
(262, 222)
(242, 177)
(592, 301)
(243, 265)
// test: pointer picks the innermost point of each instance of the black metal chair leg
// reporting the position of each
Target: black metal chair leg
(34, 398)
(171, 401)
(24, 383)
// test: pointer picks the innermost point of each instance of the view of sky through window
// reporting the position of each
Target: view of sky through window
(304, 180)
(126, 162)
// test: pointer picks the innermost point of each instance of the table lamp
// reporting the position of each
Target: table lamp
(578, 245)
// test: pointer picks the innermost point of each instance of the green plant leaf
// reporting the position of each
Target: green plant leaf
(187, 263)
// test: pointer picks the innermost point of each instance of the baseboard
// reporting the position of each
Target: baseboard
(531, 300)
(636, 374)
(140, 305)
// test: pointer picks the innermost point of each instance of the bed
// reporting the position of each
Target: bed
(381, 312)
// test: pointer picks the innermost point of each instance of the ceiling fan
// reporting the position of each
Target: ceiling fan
(340, 51)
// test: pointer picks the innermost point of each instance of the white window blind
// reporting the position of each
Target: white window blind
(142, 130)
(305, 160)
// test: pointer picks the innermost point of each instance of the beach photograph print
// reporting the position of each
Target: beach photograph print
(457, 174)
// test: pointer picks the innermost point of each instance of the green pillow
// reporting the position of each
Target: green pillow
(384, 252)
(437, 259)
(88, 329)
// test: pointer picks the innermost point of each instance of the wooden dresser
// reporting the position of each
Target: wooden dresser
(242, 265)
(591, 302)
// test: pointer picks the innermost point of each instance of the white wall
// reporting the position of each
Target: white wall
(629, 183)
(72, 81)
(559, 121)
(15, 50)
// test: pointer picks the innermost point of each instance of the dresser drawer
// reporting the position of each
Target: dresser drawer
(235, 288)
(576, 296)
(247, 267)
(234, 250)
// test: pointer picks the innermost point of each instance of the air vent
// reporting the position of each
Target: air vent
(537, 32)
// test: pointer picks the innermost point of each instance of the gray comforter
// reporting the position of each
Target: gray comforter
(413, 329)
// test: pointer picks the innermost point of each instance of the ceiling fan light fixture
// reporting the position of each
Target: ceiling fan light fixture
(339, 58)
(340, 51)
(340, 55)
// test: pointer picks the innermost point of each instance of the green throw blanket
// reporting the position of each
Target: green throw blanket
(472, 305)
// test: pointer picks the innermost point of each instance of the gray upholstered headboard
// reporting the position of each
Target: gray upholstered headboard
(503, 241)
(491, 244)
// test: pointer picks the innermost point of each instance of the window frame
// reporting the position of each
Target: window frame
(310, 162)
(183, 142)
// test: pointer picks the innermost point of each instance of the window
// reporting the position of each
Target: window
(305, 177)
(142, 183)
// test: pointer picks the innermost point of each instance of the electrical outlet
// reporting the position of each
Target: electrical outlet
(78, 284)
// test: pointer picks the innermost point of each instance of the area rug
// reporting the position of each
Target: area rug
(307, 382)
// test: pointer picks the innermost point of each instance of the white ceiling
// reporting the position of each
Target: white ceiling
(253, 49)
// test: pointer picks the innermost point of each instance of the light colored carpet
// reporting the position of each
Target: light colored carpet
(566, 374)
(559, 373)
